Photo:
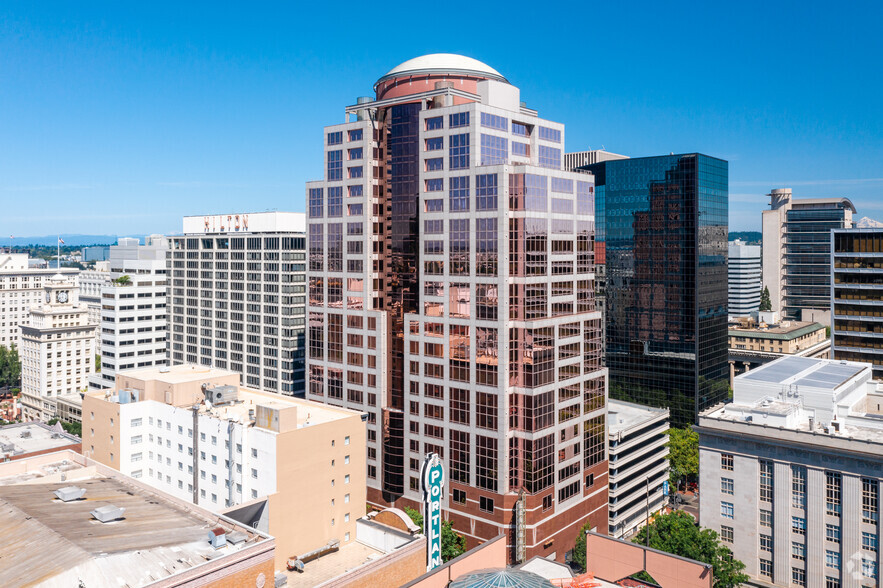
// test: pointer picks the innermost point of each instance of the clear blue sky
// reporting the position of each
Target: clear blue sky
(119, 118)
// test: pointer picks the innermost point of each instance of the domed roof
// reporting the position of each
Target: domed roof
(505, 578)
(444, 63)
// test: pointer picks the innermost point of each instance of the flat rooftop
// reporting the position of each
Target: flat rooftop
(308, 412)
(782, 331)
(24, 438)
(626, 415)
(47, 542)
(178, 374)
(805, 371)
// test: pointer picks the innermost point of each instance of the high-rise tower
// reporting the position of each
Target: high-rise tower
(451, 299)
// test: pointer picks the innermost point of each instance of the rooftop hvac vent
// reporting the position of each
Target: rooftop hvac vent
(221, 395)
(217, 537)
(69, 493)
(236, 537)
(25, 435)
(108, 513)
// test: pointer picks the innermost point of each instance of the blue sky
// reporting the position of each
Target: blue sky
(119, 118)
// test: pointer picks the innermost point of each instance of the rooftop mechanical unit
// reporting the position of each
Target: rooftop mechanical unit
(108, 513)
(217, 537)
(221, 395)
(69, 493)
(236, 537)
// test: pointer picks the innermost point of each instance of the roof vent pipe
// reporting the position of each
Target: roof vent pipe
(362, 114)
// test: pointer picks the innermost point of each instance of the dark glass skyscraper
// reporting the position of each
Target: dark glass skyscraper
(663, 229)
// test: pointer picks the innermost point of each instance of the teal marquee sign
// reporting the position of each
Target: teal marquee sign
(432, 476)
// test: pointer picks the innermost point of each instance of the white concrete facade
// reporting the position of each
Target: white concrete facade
(791, 470)
(58, 349)
(638, 461)
(134, 315)
(744, 276)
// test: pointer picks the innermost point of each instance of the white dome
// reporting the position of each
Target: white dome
(444, 63)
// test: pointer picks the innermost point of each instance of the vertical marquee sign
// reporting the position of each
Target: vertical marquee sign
(432, 476)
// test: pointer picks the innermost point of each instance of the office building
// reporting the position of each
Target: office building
(69, 521)
(451, 300)
(581, 158)
(95, 253)
(797, 253)
(663, 225)
(857, 296)
(294, 468)
(91, 282)
(21, 287)
(743, 278)
(638, 452)
(752, 344)
(237, 297)
(57, 350)
(790, 473)
(134, 319)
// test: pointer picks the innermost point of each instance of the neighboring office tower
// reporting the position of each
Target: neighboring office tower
(790, 473)
(451, 299)
(134, 319)
(91, 282)
(664, 221)
(797, 251)
(857, 296)
(743, 278)
(237, 296)
(58, 349)
(21, 288)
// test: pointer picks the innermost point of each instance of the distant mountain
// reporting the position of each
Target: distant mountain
(750, 237)
(69, 240)
(868, 223)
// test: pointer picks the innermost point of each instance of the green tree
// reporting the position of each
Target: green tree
(683, 454)
(72, 428)
(452, 543)
(10, 366)
(97, 363)
(579, 547)
(123, 280)
(765, 304)
(678, 533)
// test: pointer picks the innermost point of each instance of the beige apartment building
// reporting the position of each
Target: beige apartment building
(787, 338)
(293, 468)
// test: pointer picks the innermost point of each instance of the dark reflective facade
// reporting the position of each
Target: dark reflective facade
(665, 239)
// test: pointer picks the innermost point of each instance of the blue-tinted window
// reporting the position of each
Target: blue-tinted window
(316, 202)
(521, 149)
(435, 205)
(494, 150)
(355, 172)
(486, 192)
(435, 185)
(585, 198)
(459, 152)
(335, 165)
(355, 191)
(562, 185)
(548, 134)
(355, 135)
(535, 192)
(520, 129)
(355, 153)
(435, 143)
(435, 164)
(335, 201)
(335, 138)
(433, 226)
(458, 195)
(435, 123)
(549, 157)
(458, 119)
(354, 209)
(492, 121)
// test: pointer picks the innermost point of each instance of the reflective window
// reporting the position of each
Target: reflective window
(335, 165)
(435, 184)
(549, 157)
(435, 143)
(520, 149)
(520, 129)
(355, 135)
(494, 150)
(548, 134)
(458, 153)
(335, 201)
(458, 194)
(435, 164)
(486, 192)
(435, 123)
(458, 119)
(316, 202)
(335, 138)
(492, 121)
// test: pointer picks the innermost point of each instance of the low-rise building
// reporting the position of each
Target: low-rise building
(752, 343)
(69, 408)
(790, 472)
(292, 467)
(638, 453)
(66, 520)
(22, 440)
